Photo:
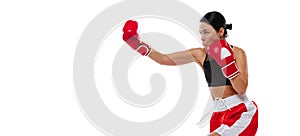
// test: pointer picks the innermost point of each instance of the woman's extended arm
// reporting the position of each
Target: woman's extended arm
(177, 58)
(131, 37)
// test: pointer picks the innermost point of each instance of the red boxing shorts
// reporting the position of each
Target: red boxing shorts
(234, 116)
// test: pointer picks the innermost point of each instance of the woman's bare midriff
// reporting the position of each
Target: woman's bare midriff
(222, 91)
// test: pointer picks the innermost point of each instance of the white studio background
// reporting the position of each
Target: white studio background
(39, 38)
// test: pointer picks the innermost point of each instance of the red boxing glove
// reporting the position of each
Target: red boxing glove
(131, 37)
(223, 55)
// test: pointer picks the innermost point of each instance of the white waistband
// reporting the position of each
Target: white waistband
(229, 102)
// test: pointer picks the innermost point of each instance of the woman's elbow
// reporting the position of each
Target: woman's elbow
(165, 60)
(242, 89)
(241, 92)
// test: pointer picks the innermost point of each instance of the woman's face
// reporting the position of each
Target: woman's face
(208, 34)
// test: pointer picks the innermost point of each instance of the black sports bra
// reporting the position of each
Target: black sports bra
(213, 73)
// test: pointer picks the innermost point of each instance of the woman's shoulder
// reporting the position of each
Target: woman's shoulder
(238, 51)
(197, 52)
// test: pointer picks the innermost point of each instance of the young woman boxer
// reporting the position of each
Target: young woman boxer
(225, 68)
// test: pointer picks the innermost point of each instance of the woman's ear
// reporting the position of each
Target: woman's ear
(221, 32)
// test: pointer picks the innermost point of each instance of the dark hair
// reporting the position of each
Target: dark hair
(217, 21)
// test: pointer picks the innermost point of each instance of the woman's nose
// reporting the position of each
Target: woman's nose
(202, 38)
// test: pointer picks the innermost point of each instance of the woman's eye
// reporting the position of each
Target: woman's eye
(204, 33)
